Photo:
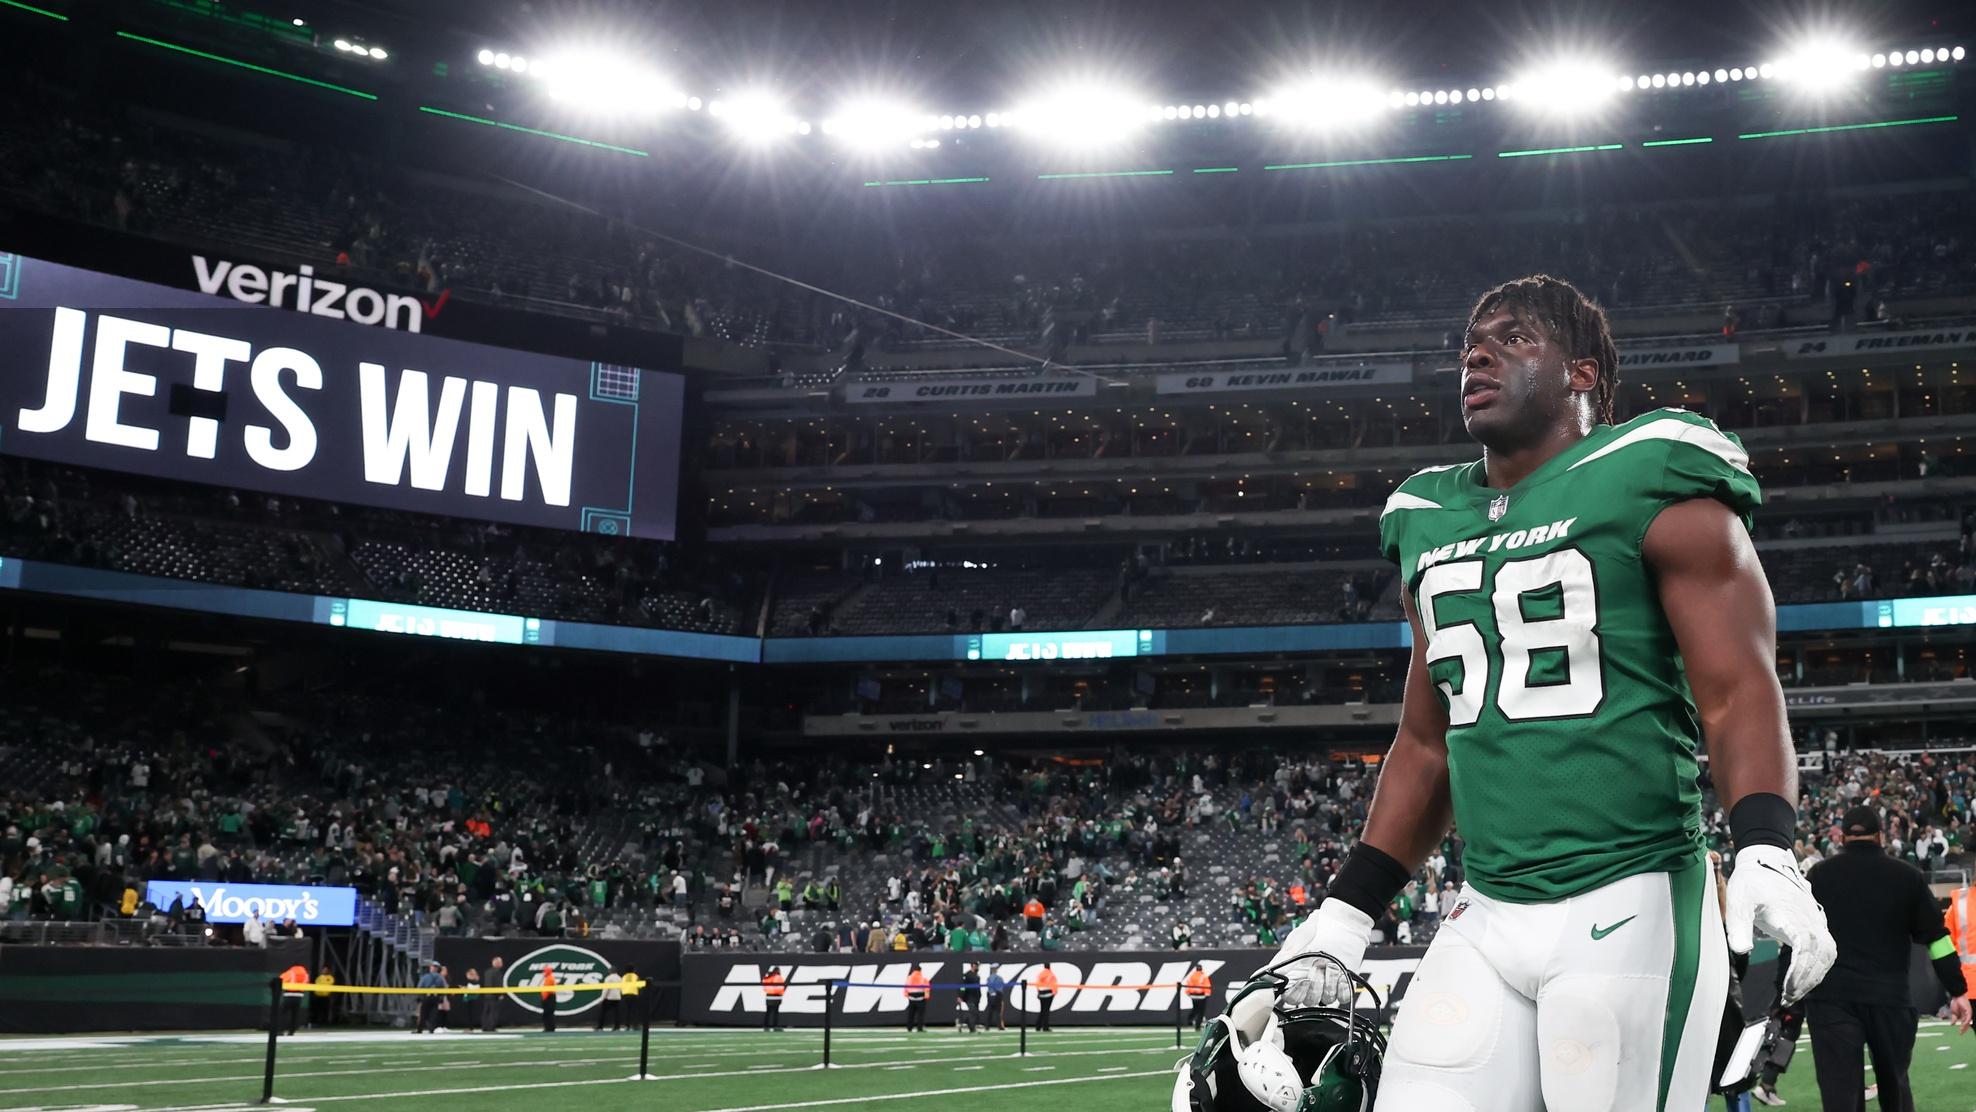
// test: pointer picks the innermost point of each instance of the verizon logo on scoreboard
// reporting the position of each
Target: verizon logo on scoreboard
(308, 292)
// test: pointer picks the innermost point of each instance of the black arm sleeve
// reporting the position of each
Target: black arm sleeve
(1926, 927)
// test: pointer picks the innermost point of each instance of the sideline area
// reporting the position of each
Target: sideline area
(695, 1070)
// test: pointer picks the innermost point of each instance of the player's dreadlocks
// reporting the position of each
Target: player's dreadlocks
(1575, 321)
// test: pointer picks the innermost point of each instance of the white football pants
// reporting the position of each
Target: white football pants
(1610, 1001)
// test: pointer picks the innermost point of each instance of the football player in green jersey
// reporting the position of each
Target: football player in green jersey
(1586, 609)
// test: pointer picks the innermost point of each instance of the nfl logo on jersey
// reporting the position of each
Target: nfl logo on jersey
(1499, 507)
(1458, 909)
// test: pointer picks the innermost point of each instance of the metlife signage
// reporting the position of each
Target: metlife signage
(233, 903)
(98, 371)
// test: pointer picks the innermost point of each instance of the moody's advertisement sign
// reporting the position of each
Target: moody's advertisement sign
(233, 903)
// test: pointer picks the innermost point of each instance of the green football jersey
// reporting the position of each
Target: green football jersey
(1571, 728)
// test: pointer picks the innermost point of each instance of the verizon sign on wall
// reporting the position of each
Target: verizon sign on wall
(99, 371)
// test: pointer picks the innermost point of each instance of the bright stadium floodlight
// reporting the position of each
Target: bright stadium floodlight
(756, 117)
(1083, 115)
(1331, 102)
(1573, 87)
(601, 83)
(872, 124)
(1821, 66)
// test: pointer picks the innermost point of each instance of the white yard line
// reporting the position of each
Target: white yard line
(279, 1075)
(936, 1092)
(605, 1081)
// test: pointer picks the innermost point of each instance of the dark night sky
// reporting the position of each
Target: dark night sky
(1199, 48)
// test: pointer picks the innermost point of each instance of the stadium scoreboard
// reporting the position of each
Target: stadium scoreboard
(133, 376)
(1089, 644)
(1945, 611)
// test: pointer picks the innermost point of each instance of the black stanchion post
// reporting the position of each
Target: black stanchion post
(274, 1032)
(1177, 994)
(1022, 1019)
(644, 1033)
(829, 1004)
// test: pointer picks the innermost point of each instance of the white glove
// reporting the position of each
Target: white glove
(1768, 892)
(1336, 928)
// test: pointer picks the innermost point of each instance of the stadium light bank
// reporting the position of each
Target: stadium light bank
(1094, 115)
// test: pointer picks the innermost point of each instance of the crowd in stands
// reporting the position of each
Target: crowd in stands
(1923, 799)
(403, 800)
(132, 523)
(136, 524)
(420, 808)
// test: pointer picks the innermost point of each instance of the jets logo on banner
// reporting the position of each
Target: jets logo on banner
(573, 965)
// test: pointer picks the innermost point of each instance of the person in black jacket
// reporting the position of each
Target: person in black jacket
(490, 1005)
(1878, 908)
(971, 996)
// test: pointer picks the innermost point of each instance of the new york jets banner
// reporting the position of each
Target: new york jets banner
(577, 961)
(1253, 379)
(1098, 987)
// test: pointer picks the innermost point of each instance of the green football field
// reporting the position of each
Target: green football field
(1092, 1070)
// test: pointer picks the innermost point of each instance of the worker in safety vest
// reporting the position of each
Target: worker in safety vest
(918, 992)
(1961, 922)
(291, 1001)
(774, 984)
(1199, 989)
(549, 994)
(1046, 996)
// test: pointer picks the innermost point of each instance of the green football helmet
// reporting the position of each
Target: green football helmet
(1270, 1052)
